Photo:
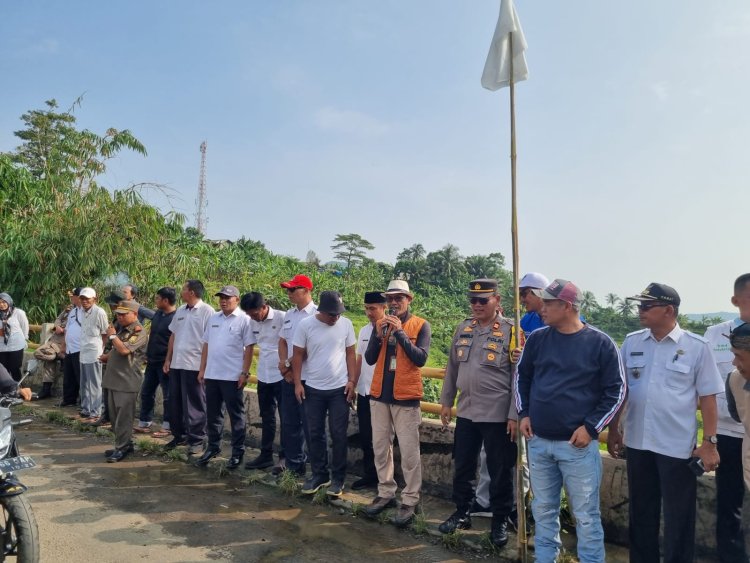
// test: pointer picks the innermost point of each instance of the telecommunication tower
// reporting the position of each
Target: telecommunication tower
(201, 217)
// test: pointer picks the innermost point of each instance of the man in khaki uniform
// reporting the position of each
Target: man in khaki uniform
(124, 376)
(479, 366)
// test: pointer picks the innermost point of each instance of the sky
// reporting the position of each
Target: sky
(353, 116)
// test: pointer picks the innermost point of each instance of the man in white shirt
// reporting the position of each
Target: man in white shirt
(730, 487)
(94, 325)
(187, 396)
(324, 354)
(224, 369)
(375, 310)
(667, 369)
(265, 324)
(294, 431)
(72, 360)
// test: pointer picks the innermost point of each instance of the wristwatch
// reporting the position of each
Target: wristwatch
(712, 439)
(112, 337)
(243, 373)
(287, 364)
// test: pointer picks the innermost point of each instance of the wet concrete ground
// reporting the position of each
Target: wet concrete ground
(147, 508)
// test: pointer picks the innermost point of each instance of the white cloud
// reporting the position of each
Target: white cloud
(349, 121)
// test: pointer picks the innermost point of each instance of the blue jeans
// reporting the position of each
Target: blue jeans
(552, 464)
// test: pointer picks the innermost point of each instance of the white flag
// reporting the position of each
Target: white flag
(496, 73)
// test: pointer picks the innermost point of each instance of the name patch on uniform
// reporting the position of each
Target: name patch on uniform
(498, 333)
(214, 326)
(636, 353)
(180, 318)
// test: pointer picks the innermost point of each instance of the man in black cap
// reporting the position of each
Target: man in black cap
(479, 366)
(375, 310)
(324, 354)
(224, 369)
(667, 368)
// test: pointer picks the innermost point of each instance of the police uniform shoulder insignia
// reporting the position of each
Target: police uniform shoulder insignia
(468, 329)
(498, 333)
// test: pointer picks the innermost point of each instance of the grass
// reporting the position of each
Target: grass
(24, 410)
(221, 470)
(288, 483)
(452, 540)
(419, 523)
(566, 557)
(148, 446)
(56, 417)
(255, 478)
(320, 496)
(174, 455)
(358, 509)
(385, 516)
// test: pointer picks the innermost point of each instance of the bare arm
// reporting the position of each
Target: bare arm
(247, 359)
(297, 359)
(352, 368)
(168, 359)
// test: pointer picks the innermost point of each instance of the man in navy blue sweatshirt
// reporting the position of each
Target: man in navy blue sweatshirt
(570, 384)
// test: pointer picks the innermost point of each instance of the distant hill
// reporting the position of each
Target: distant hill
(725, 316)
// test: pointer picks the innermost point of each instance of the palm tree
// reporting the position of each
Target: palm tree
(589, 301)
(625, 308)
(612, 300)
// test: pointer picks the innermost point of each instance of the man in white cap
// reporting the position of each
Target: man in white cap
(398, 348)
(94, 325)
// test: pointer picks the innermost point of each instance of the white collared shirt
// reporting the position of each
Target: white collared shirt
(266, 336)
(665, 380)
(93, 325)
(291, 320)
(188, 327)
(73, 331)
(367, 371)
(226, 336)
(718, 339)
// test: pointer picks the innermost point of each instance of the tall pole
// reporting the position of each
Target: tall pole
(523, 541)
(201, 215)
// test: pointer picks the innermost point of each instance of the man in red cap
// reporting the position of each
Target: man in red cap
(294, 431)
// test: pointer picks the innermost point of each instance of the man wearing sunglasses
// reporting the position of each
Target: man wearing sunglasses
(667, 369)
(479, 366)
(398, 349)
(294, 431)
(730, 487)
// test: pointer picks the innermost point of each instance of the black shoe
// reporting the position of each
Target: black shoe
(459, 520)
(314, 483)
(260, 462)
(279, 468)
(119, 455)
(364, 483)
(174, 443)
(480, 510)
(499, 533)
(207, 456)
(234, 462)
(128, 449)
(67, 404)
(336, 488)
(45, 392)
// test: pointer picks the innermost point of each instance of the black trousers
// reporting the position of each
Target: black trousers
(71, 377)
(730, 492)
(269, 402)
(221, 393)
(501, 457)
(658, 481)
(318, 404)
(187, 406)
(365, 438)
(12, 361)
(294, 430)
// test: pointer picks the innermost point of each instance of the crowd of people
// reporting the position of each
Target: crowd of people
(558, 383)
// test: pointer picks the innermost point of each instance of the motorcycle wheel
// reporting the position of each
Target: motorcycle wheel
(20, 533)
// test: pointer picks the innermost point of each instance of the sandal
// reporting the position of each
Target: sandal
(161, 434)
(142, 429)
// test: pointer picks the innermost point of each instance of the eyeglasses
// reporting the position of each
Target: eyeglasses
(647, 306)
(524, 292)
(395, 297)
(292, 289)
(480, 300)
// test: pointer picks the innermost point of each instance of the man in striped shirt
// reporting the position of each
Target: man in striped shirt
(569, 385)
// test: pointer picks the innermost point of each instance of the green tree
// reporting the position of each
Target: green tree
(350, 249)
(625, 308)
(612, 300)
(481, 266)
(445, 268)
(589, 302)
(411, 265)
(54, 150)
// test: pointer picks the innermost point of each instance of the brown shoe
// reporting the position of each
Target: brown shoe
(404, 515)
(378, 505)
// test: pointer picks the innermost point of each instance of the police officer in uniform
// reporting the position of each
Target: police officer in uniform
(480, 367)
(124, 376)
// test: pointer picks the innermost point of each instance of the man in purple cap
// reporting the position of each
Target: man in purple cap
(569, 385)
(225, 362)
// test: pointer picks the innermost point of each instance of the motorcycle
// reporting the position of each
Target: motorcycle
(19, 534)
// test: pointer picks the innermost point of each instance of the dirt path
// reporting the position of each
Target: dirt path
(146, 509)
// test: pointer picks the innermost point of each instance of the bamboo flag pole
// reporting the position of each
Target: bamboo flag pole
(523, 541)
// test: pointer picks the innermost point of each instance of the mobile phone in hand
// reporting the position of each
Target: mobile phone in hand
(696, 466)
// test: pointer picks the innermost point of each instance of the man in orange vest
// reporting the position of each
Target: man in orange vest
(398, 349)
